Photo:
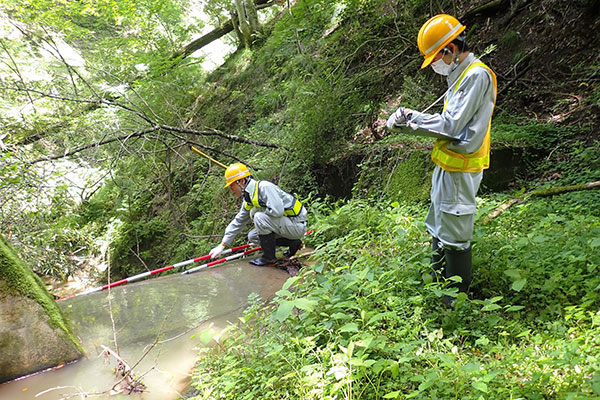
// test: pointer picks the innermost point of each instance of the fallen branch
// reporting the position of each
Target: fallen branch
(128, 381)
(539, 193)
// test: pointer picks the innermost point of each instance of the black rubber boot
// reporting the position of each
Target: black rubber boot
(438, 260)
(458, 262)
(293, 245)
(267, 242)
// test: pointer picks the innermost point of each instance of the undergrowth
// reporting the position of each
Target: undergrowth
(364, 320)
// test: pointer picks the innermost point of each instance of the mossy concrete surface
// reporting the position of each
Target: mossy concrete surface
(34, 334)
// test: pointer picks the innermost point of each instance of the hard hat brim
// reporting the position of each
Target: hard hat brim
(428, 60)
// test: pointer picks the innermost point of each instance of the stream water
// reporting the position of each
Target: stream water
(171, 308)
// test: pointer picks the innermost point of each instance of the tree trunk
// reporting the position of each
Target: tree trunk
(252, 15)
(215, 34)
(244, 25)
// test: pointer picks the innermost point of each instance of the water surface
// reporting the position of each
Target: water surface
(168, 310)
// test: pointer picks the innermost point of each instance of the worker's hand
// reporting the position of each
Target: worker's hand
(399, 118)
(214, 253)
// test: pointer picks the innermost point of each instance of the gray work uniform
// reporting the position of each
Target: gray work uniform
(267, 219)
(466, 117)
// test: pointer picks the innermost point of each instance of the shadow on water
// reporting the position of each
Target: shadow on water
(171, 308)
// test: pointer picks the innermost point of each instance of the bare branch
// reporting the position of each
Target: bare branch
(96, 144)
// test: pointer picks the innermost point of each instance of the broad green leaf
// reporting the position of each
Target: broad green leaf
(290, 282)
(305, 304)
(349, 327)
(513, 274)
(447, 359)
(471, 367)
(368, 363)
(284, 310)
(518, 285)
(205, 336)
(461, 297)
(480, 386)
(357, 362)
(392, 395)
(525, 333)
(286, 294)
(395, 369)
(341, 316)
(595, 243)
(365, 341)
(539, 239)
(427, 384)
(490, 307)
(595, 382)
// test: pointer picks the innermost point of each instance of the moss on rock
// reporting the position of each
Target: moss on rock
(33, 329)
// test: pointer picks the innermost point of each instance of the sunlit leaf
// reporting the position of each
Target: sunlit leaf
(490, 307)
(284, 310)
(481, 386)
(349, 327)
(305, 304)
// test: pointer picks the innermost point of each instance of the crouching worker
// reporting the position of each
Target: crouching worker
(279, 218)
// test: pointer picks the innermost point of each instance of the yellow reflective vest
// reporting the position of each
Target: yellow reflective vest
(288, 212)
(473, 162)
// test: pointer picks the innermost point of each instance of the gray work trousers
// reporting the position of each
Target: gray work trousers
(286, 227)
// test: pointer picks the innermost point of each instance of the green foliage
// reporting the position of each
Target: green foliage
(365, 321)
(531, 135)
(403, 173)
(311, 86)
(510, 39)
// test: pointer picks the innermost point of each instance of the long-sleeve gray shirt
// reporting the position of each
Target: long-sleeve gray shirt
(466, 117)
(468, 109)
(273, 200)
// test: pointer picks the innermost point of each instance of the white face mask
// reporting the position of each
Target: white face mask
(441, 67)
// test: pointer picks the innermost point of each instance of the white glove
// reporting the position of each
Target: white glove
(400, 117)
(214, 253)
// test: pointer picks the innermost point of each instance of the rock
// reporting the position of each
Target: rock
(34, 334)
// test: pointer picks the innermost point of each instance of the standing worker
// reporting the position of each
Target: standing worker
(466, 117)
(279, 218)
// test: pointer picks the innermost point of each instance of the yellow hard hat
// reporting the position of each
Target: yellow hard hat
(435, 34)
(236, 172)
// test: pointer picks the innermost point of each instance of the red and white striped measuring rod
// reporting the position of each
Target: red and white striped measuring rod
(157, 271)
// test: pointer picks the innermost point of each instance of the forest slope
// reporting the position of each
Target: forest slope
(365, 320)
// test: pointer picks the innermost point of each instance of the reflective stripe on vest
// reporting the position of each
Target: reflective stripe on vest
(473, 162)
(288, 212)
